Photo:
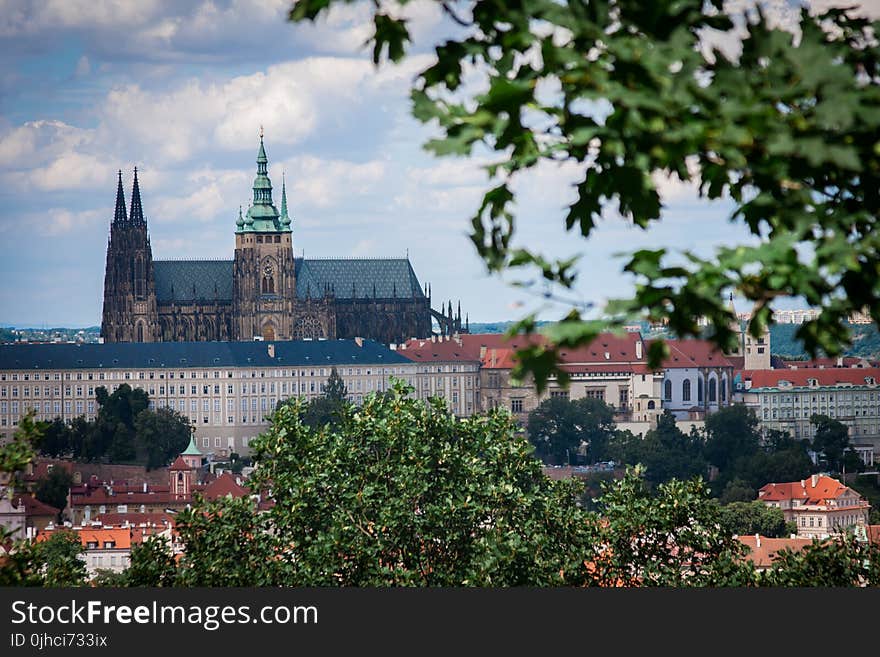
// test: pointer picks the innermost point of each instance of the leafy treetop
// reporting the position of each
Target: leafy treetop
(788, 130)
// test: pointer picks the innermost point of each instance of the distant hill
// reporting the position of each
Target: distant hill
(866, 341)
(495, 327)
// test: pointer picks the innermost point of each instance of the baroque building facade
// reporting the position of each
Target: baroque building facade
(264, 292)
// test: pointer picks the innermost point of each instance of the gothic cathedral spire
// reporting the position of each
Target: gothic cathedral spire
(120, 216)
(130, 312)
(137, 212)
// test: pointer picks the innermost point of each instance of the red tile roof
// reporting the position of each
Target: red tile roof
(498, 359)
(224, 485)
(800, 378)
(34, 507)
(425, 351)
(694, 353)
(762, 550)
(814, 490)
(179, 464)
(101, 496)
(121, 538)
(119, 519)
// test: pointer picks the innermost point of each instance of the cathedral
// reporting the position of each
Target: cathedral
(264, 292)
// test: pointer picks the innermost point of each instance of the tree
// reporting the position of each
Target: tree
(755, 517)
(335, 388)
(403, 493)
(160, 435)
(831, 440)
(737, 490)
(54, 488)
(561, 429)
(114, 426)
(844, 561)
(327, 408)
(671, 538)
(57, 560)
(665, 452)
(784, 130)
(151, 564)
(731, 433)
(56, 438)
(215, 553)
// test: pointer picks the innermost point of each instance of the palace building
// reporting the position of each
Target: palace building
(264, 292)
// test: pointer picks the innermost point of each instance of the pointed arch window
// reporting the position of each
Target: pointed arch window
(686, 390)
(713, 390)
(700, 389)
(267, 284)
(667, 390)
(139, 278)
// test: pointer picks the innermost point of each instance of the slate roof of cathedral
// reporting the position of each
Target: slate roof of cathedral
(209, 280)
(187, 280)
(174, 355)
(355, 277)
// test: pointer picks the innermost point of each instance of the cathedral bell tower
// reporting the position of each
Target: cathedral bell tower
(130, 313)
(263, 283)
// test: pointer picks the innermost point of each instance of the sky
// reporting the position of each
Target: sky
(181, 88)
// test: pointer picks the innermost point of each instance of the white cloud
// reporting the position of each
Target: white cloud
(324, 183)
(60, 221)
(209, 196)
(364, 248)
(671, 188)
(38, 142)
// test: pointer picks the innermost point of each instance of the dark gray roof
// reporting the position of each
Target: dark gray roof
(174, 355)
(212, 280)
(347, 277)
(343, 275)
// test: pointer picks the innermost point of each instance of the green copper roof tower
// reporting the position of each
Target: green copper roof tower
(192, 450)
(263, 216)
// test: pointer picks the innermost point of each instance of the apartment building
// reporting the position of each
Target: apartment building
(786, 399)
(227, 389)
(820, 506)
(444, 368)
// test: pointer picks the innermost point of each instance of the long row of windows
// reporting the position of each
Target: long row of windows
(116, 375)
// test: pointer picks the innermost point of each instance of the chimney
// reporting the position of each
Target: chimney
(638, 350)
(757, 540)
(803, 484)
(271, 349)
(840, 361)
(814, 479)
(145, 486)
(482, 352)
(359, 341)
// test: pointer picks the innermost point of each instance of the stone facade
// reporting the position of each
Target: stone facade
(264, 292)
(226, 389)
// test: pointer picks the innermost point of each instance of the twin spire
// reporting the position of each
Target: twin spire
(120, 216)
